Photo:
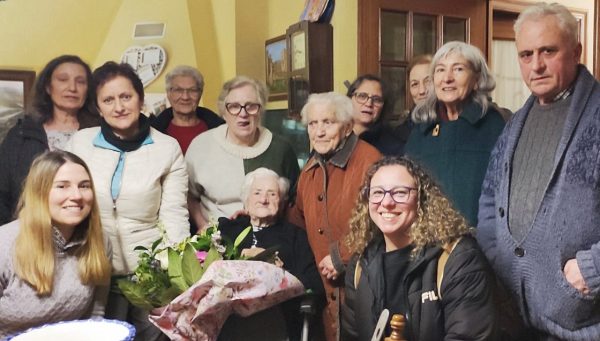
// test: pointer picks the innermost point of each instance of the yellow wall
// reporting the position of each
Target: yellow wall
(177, 42)
(32, 31)
(215, 53)
(251, 32)
(345, 31)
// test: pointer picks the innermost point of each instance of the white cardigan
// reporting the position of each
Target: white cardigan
(216, 170)
(154, 189)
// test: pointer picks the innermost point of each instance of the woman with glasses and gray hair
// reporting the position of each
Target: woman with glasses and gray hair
(457, 125)
(185, 119)
(219, 159)
(413, 254)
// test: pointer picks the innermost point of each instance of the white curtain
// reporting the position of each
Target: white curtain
(511, 92)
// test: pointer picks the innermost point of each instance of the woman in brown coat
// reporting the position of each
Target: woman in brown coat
(327, 191)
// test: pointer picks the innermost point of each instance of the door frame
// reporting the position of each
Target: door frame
(369, 18)
(517, 6)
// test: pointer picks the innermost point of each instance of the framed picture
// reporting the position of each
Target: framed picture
(276, 68)
(15, 90)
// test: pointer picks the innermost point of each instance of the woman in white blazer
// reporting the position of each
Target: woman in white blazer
(141, 182)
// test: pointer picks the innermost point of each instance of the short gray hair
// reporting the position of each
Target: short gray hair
(185, 71)
(239, 81)
(341, 104)
(262, 172)
(566, 21)
(427, 110)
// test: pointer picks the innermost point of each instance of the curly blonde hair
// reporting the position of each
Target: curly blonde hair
(437, 223)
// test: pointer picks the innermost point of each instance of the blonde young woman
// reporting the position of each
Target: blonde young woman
(400, 227)
(53, 262)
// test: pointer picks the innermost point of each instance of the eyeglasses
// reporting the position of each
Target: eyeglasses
(400, 194)
(236, 108)
(363, 97)
(190, 91)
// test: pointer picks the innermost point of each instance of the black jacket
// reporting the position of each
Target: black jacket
(162, 121)
(465, 312)
(389, 141)
(26, 140)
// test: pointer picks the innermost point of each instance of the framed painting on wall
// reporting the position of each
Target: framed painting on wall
(15, 90)
(276, 68)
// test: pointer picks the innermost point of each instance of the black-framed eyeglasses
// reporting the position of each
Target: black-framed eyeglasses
(363, 97)
(400, 194)
(236, 108)
(180, 91)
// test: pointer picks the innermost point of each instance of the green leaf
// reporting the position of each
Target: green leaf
(190, 266)
(140, 248)
(166, 296)
(212, 256)
(155, 244)
(240, 238)
(175, 273)
(210, 230)
(202, 244)
(134, 294)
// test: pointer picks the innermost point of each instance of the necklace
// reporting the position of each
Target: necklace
(254, 239)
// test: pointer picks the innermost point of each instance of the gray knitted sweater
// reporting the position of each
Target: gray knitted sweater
(21, 308)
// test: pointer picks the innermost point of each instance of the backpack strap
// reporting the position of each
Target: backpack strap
(446, 251)
(357, 273)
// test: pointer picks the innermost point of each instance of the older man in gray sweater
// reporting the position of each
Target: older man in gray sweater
(539, 214)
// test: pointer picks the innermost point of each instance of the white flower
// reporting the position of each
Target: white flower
(163, 257)
(216, 237)
(220, 248)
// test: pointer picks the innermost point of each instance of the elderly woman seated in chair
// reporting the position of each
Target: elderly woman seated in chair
(264, 195)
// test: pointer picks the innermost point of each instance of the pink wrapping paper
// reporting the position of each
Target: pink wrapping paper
(232, 286)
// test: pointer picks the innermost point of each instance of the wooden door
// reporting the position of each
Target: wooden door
(391, 32)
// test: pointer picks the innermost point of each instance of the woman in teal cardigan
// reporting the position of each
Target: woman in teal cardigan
(457, 125)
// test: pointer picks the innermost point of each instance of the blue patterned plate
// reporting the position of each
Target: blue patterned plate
(88, 330)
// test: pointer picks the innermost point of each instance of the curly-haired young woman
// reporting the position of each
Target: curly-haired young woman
(401, 231)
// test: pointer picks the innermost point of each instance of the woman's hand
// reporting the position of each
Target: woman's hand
(251, 252)
(327, 269)
(237, 214)
(196, 214)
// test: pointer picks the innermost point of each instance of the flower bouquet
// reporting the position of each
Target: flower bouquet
(192, 287)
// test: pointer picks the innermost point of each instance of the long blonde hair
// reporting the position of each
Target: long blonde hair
(34, 255)
(437, 223)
